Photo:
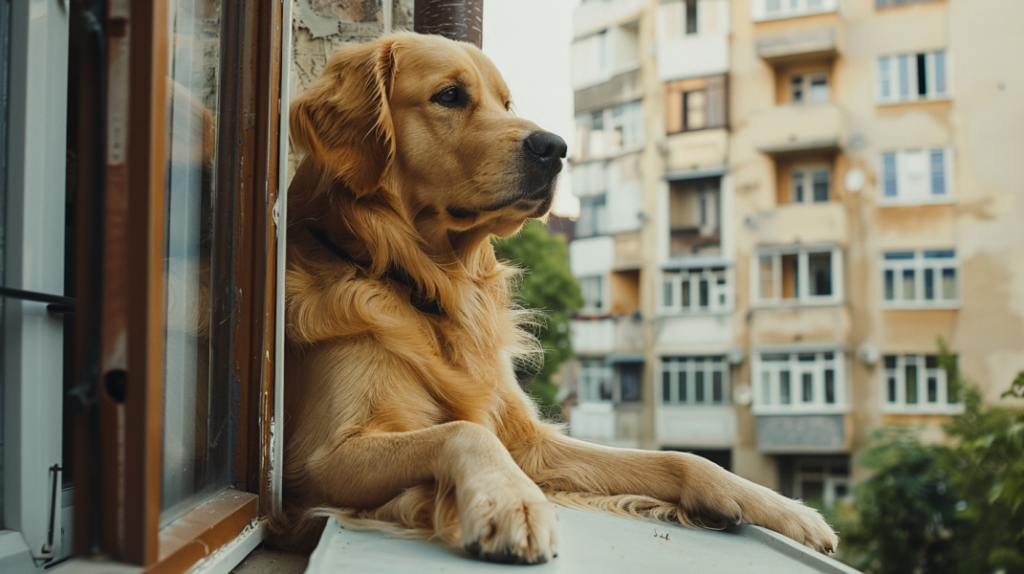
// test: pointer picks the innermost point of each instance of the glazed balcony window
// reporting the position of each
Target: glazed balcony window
(914, 77)
(918, 384)
(691, 381)
(920, 279)
(798, 276)
(807, 381)
(917, 176)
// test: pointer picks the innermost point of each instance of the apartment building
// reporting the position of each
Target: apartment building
(784, 204)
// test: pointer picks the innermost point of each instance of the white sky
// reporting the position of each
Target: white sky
(529, 41)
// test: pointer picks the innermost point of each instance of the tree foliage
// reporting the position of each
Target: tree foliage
(548, 288)
(936, 509)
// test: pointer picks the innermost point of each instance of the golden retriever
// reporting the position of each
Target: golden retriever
(403, 411)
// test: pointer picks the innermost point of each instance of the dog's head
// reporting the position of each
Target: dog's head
(430, 120)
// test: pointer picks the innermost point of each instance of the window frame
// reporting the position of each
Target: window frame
(595, 371)
(889, 79)
(796, 404)
(759, 9)
(930, 198)
(808, 171)
(802, 281)
(627, 118)
(675, 365)
(919, 264)
(676, 279)
(602, 295)
(942, 406)
(806, 83)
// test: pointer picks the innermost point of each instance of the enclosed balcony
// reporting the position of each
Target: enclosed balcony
(795, 434)
(692, 38)
(810, 43)
(609, 335)
(800, 223)
(594, 15)
(696, 426)
(798, 128)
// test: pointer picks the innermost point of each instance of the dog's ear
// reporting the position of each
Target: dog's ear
(343, 121)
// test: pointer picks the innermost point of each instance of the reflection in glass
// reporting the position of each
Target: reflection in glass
(197, 434)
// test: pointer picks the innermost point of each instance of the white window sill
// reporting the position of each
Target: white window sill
(675, 314)
(790, 410)
(926, 100)
(587, 542)
(792, 304)
(904, 306)
(925, 409)
(790, 16)
(897, 202)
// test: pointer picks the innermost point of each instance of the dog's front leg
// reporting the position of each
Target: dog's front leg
(503, 515)
(706, 493)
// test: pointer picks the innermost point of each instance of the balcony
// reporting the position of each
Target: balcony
(629, 252)
(692, 56)
(591, 255)
(606, 423)
(812, 43)
(700, 334)
(798, 128)
(696, 427)
(594, 15)
(826, 324)
(619, 335)
(796, 434)
(700, 150)
(800, 224)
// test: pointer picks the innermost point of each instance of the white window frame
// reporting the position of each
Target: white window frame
(918, 265)
(720, 296)
(806, 82)
(587, 284)
(594, 372)
(897, 374)
(904, 191)
(762, 10)
(627, 119)
(887, 78)
(34, 261)
(803, 297)
(673, 366)
(807, 172)
(767, 395)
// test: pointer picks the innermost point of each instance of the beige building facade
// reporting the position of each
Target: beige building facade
(816, 191)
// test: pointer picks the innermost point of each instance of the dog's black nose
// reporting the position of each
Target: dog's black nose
(545, 146)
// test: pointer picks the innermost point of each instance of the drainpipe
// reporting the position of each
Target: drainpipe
(461, 20)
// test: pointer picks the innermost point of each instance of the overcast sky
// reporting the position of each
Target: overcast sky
(529, 42)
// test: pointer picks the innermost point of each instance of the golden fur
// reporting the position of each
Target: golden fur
(413, 422)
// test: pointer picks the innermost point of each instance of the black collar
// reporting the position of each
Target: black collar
(398, 274)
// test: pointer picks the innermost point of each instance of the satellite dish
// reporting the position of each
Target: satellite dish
(741, 395)
(854, 180)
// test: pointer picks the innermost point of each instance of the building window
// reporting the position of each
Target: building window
(629, 382)
(694, 217)
(799, 381)
(810, 184)
(917, 176)
(592, 289)
(773, 9)
(705, 290)
(819, 480)
(595, 382)
(913, 77)
(809, 88)
(802, 275)
(610, 131)
(694, 381)
(920, 278)
(691, 17)
(593, 216)
(696, 104)
(918, 383)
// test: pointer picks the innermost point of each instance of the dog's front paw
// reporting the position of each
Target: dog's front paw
(799, 522)
(508, 521)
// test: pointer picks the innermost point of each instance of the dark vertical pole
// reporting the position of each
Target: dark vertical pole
(461, 20)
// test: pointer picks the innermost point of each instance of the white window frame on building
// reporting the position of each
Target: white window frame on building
(795, 380)
(594, 292)
(903, 395)
(906, 275)
(915, 176)
(774, 256)
(619, 130)
(832, 472)
(596, 382)
(778, 9)
(697, 290)
(899, 79)
(809, 88)
(805, 182)
(690, 380)
(598, 57)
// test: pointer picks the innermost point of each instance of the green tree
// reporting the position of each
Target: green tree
(548, 288)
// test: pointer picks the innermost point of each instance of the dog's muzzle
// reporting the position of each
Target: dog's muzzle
(542, 154)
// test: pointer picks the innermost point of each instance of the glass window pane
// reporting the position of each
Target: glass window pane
(929, 284)
(668, 286)
(885, 82)
(767, 284)
(830, 386)
(903, 67)
(889, 174)
(910, 380)
(820, 182)
(704, 298)
(949, 290)
(766, 387)
(796, 87)
(938, 169)
(933, 390)
(819, 89)
(695, 110)
(922, 73)
(630, 383)
(940, 72)
(797, 182)
(197, 412)
(908, 292)
(698, 383)
(686, 293)
(890, 284)
(820, 274)
(684, 386)
(892, 389)
(807, 384)
(666, 385)
(784, 396)
(716, 386)
(890, 361)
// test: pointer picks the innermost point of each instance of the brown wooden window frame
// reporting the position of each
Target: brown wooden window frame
(716, 103)
(119, 436)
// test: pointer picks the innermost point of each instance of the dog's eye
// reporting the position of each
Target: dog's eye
(452, 97)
